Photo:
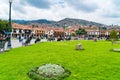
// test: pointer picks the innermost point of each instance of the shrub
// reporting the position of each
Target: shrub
(49, 72)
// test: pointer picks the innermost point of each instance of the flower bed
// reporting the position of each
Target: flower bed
(49, 72)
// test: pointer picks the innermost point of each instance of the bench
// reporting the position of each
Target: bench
(2, 45)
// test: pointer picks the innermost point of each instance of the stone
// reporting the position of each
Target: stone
(79, 47)
(95, 39)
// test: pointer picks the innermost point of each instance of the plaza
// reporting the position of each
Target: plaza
(59, 40)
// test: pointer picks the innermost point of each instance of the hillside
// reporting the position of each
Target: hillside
(62, 23)
(72, 22)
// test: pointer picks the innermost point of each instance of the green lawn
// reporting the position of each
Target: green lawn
(96, 62)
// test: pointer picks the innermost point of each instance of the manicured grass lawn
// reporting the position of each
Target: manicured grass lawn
(96, 62)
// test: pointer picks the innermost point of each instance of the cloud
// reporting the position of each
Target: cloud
(111, 9)
(102, 11)
(116, 3)
(111, 15)
(3, 10)
(60, 4)
(19, 5)
(44, 4)
(82, 5)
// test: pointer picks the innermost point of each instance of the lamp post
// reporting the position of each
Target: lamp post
(9, 26)
(99, 33)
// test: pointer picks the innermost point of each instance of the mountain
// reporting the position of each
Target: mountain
(62, 23)
(20, 21)
(72, 22)
(41, 21)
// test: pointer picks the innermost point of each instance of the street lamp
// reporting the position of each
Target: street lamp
(9, 26)
(99, 33)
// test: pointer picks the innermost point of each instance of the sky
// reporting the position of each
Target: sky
(101, 11)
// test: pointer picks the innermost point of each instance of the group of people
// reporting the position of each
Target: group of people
(28, 39)
(63, 38)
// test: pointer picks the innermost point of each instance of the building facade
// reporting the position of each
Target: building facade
(25, 30)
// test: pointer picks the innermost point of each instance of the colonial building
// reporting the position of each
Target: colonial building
(25, 30)
(18, 29)
(39, 31)
(45, 30)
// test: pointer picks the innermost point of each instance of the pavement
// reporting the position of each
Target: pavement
(16, 43)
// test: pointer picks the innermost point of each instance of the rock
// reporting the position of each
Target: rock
(79, 47)
(95, 39)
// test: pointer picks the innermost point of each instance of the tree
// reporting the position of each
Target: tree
(73, 34)
(3, 25)
(113, 35)
(81, 31)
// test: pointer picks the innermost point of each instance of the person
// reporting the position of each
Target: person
(2, 42)
(37, 39)
(20, 39)
(28, 40)
(59, 38)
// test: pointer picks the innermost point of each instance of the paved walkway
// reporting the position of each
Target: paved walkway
(16, 43)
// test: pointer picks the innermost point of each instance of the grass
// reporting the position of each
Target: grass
(96, 62)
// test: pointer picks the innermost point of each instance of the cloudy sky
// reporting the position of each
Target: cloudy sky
(102, 11)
